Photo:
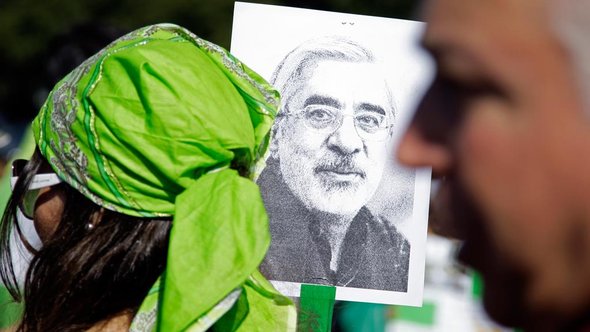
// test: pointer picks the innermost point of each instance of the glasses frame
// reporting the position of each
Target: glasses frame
(301, 115)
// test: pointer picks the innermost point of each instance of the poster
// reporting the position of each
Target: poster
(342, 211)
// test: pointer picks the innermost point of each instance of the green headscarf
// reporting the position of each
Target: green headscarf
(149, 127)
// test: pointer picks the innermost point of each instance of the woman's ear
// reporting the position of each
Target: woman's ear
(49, 209)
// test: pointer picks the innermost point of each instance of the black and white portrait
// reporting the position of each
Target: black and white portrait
(337, 202)
(328, 152)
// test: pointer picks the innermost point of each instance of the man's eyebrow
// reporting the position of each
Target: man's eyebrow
(322, 100)
(370, 107)
(427, 45)
(433, 49)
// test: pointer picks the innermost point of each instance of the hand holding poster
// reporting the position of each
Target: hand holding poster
(342, 212)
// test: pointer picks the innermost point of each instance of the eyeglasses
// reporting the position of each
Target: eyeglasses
(42, 180)
(369, 125)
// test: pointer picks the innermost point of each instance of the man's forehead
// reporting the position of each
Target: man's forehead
(347, 78)
(460, 9)
(327, 71)
(482, 30)
(346, 83)
(484, 16)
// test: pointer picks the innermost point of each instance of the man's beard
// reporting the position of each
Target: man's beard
(504, 280)
(339, 173)
(335, 185)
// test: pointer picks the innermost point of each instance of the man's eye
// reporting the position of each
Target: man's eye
(369, 121)
(319, 115)
(468, 91)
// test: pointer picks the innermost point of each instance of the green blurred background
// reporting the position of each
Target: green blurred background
(29, 30)
(41, 40)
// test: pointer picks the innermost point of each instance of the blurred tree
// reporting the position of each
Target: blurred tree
(27, 28)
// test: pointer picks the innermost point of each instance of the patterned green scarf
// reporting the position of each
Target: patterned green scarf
(148, 127)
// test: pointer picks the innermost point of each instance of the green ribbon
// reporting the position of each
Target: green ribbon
(316, 308)
(232, 242)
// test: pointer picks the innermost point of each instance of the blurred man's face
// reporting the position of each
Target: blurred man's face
(503, 123)
(330, 152)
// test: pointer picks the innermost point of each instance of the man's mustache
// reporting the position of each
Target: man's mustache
(344, 165)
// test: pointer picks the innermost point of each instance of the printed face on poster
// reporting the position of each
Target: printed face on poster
(342, 211)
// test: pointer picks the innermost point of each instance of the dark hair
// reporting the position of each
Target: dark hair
(9, 223)
(83, 275)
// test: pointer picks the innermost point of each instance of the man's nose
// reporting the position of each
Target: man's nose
(427, 140)
(345, 139)
(416, 151)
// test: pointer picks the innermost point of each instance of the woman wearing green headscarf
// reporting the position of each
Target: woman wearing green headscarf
(140, 190)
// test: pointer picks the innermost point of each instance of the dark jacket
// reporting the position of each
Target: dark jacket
(374, 254)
